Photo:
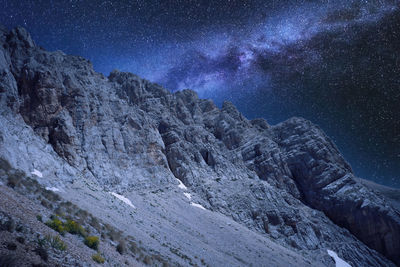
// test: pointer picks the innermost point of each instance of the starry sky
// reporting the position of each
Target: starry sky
(336, 63)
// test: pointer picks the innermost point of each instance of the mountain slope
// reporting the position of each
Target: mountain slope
(262, 187)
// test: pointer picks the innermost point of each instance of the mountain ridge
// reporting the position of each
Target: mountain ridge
(287, 182)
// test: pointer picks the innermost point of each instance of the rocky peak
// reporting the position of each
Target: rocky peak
(19, 38)
(260, 123)
(230, 109)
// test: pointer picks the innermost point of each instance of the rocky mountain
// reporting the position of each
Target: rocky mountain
(194, 184)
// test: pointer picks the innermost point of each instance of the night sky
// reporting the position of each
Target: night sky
(336, 63)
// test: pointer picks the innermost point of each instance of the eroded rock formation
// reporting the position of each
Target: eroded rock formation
(288, 182)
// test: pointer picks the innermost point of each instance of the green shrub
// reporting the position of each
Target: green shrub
(41, 242)
(39, 218)
(98, 258)
(69, 226)
(74, 228)
(92, 242)
(56, 224)
(56, 242)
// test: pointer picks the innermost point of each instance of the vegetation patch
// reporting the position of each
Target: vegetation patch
(53, 241)
(56, 224)
(92, 242)
(74, 228)
(68, 218)
(69, 226)
(56, 242)
(98, 258)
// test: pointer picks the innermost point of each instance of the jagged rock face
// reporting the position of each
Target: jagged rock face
(288, 181)
(329, 185)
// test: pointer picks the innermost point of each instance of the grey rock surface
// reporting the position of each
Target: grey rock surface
(282, 188)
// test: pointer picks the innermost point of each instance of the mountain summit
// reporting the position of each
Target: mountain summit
(183, 181)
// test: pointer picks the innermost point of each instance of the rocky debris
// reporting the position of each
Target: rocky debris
(287, 182)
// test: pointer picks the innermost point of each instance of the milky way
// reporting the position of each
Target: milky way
(222, 60)
(336, 63)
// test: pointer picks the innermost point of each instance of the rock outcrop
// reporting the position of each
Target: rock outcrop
(287, 182)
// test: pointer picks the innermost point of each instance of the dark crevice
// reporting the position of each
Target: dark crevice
(208, 157)
(162, 130)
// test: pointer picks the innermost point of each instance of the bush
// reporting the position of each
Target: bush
(57, 225)
(74, 228)
(92, 242)
(41, 241)
(147, 260)
(56, 242)
(121, 248)
(69, 226)
(98, 258)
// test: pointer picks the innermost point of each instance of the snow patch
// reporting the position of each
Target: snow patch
(188, 195)
(37, 173)
(181, 185)
(365, 203)
(197, 206)
(339, 262)
(54, 189)
(123, 199)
